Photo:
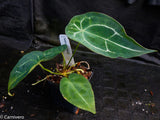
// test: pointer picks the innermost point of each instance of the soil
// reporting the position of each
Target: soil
(85, 71)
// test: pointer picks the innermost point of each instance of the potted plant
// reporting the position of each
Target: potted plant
(98, 32)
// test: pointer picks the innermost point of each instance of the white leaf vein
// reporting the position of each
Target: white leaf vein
(106, 39)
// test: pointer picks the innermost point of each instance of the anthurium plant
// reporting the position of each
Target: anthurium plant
(98, 32)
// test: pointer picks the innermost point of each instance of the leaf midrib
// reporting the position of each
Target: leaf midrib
(28, 71)
(112, 42)
(105, 39)
(78, 93)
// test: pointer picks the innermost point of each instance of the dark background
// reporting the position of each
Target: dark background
(34, 23)
(117, 83)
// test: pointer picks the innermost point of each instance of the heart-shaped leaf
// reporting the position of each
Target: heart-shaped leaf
(103, 35)
(28, 62)
(77, 90)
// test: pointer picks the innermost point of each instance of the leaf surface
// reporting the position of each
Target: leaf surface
(103, 35)
(28, 62)
(77, 90)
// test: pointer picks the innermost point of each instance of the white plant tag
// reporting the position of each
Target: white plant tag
(68, 52)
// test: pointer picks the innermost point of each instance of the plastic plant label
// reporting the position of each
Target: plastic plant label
(68, 52)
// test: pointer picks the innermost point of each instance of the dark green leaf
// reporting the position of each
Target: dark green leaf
(103, 35)
(28, 62)
(77, 90)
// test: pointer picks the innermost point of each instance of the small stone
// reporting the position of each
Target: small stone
(21, 52)
(153, 104)
(1, 105)
(4, 98)
(146, 111)
(28, 91)
(145, 90)
(81, 114)
(140, 103)
(11, 107)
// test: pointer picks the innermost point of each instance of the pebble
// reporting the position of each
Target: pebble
(28, 91)
(21, 52)
(1, 105)
(138, 103)
(11, 107)
(81, 114)
(4, 97)
(145, 90)
(146, 111)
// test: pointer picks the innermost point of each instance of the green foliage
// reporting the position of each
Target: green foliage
(77, 90)
(103, 35)
(98, 32)
(28, 62)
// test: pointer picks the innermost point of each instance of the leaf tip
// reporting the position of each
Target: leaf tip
(93, 110)
(11, 94)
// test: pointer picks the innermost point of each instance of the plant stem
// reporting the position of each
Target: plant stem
(72, 66)
(42, 80)
(80, 70)
(73, 54)
(48, 70)
(64, 61)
